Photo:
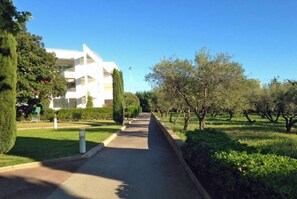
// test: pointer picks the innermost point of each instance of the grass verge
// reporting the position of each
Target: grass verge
(44, 144)
(263, 135)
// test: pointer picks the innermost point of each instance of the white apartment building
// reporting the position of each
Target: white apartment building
(86, 74)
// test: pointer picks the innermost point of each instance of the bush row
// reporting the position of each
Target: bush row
(84, 113)
(233, 170)
(132, 111)
(87, 113)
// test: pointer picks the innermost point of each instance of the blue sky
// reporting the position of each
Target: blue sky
(259, 34)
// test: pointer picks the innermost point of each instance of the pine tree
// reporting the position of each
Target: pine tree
(118, 97)
(8, 63)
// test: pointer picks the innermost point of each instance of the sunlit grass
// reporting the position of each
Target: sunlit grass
(44, 144)
(266, 136)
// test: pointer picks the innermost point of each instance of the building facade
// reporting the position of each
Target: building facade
(86, 74)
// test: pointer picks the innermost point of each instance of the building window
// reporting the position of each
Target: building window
(108, 87)
(66, 67)
(57, 103)
(107, 103)
(71, 85)
(72, 103)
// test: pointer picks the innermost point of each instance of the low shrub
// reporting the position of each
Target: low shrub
(84, 114)
(48, 115)
(132, 111)
(230, 169)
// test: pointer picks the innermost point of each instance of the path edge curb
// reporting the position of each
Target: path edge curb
(86, 155)
(176, 143)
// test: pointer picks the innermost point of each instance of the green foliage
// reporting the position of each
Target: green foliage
(37, 73)
(11, 20)
(234, 170)
(84, 114)
(131, 99)
(39, 77)
(118, 97)
(8, 62)
(132, 111)
(48, 114)
(144, 98)
(44, 144)
(287, 102)
(89, 101)
(265, 101)
(200, 85)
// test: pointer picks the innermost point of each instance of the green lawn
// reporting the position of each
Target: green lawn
(44, 144)
(264, 135)
(41, 124)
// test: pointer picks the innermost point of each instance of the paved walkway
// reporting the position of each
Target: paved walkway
(137, 164)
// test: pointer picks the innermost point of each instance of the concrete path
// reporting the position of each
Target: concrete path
(138, 164)
(36, 182)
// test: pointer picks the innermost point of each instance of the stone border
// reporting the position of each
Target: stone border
(176, 143)
(87, 155)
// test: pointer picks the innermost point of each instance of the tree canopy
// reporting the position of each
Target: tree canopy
(199, 85)
(39, 78)
(11, 20)
(131, 99)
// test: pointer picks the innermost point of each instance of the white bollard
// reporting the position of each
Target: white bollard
(82, 141)
(55, 122)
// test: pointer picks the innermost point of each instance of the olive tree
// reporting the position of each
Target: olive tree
(198, 84)
(287, 102)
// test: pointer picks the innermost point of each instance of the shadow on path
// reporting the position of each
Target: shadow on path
(139, 163)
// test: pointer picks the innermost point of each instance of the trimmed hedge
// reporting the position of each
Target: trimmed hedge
(48, 114)
(8, 68)
(229, 169)
(132, 111)
(84, 113)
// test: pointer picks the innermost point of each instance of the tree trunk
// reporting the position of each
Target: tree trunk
(179, 113)
(270, 116)
(187, 117)
(246, 114)
(201, 118)
(170, 118)
(231, 114)
(167, 113)
(289, 124)
(201, 123)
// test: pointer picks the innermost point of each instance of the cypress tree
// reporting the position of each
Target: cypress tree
(117, 86)
(89, 101)
(8, 68)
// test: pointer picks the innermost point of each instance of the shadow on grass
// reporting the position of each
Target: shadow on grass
(251, 128)
(89, 130)
(43, 149)
(97, 123)
(150, 171)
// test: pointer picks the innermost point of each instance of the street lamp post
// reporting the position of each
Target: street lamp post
(130, 69)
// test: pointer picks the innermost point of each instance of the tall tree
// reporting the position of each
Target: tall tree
(144, 98)
(199, 85)
(39, 78)
(287, 102)
(118, 97)
(8, 62)
(251, 88)
(89, 101)
(131, 99)
(10, 22)
(266, 105)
